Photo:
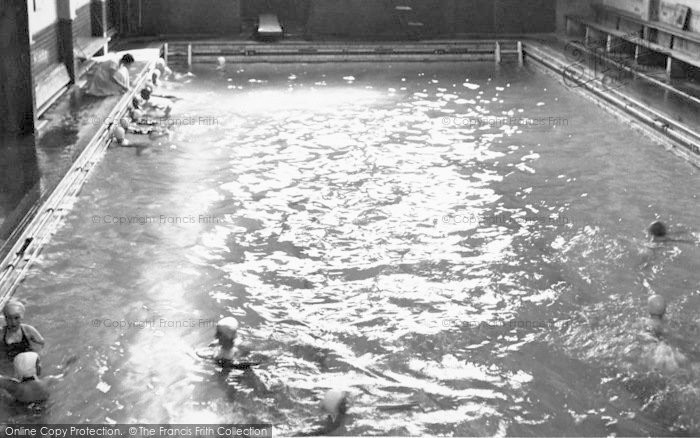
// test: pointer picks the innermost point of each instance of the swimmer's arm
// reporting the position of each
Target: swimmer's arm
(121, 78)
(34, 336)
(9, 385)
(53, 378)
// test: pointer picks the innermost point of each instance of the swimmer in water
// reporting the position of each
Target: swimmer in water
(335, 406)
(658, 232)
(227, 354)
(659, 354)
(656, 306)
(18, 337)
(164, 70)
(148, 103)
(27, 387)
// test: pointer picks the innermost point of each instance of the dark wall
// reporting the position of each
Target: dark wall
(440, 17)
(191, 17)
(16, 87)
(474, 16)
(353, 18)
(524, 16)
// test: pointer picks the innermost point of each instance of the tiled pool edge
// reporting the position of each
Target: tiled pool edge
(49, 213)
(682, 140)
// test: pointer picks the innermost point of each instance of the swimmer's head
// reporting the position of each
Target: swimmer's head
(137, 114)
(657, 229)
(27, 365)
(226, 330)
(656, 306)
(127, 60)
(145, 94)
(119, 134)
(155, 76)
(124, 122)
(14, 312)
(335, 402)
(221, 60)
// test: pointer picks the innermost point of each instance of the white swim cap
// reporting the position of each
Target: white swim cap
(335, 402)
(119, 133)
(25, 364)
(656, 305)
(227, 326)
(221, 60)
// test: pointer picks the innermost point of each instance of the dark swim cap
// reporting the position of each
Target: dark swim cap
(657, 229)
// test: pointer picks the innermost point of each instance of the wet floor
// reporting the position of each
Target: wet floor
(462, 247)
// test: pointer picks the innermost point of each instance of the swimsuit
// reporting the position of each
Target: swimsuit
(16, 348)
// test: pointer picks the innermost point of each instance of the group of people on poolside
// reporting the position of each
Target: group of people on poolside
(144, 110)
(110, 77)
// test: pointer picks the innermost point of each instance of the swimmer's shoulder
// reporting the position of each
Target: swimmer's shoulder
(31, 331)
(32, 392)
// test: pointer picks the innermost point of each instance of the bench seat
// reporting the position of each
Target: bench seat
(673, 55)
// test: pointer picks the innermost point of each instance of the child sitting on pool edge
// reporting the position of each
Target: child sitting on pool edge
(18, 337)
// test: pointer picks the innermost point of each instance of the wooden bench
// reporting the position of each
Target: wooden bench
(643, 34)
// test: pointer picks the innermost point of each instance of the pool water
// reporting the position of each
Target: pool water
(461, 246)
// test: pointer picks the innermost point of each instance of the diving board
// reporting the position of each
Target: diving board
(269, 27)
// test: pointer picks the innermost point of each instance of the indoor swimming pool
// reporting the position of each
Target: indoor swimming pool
(461, 245)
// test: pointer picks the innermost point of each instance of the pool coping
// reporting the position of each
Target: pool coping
(190, 52)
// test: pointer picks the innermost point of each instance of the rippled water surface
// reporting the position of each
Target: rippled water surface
(375, 227)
